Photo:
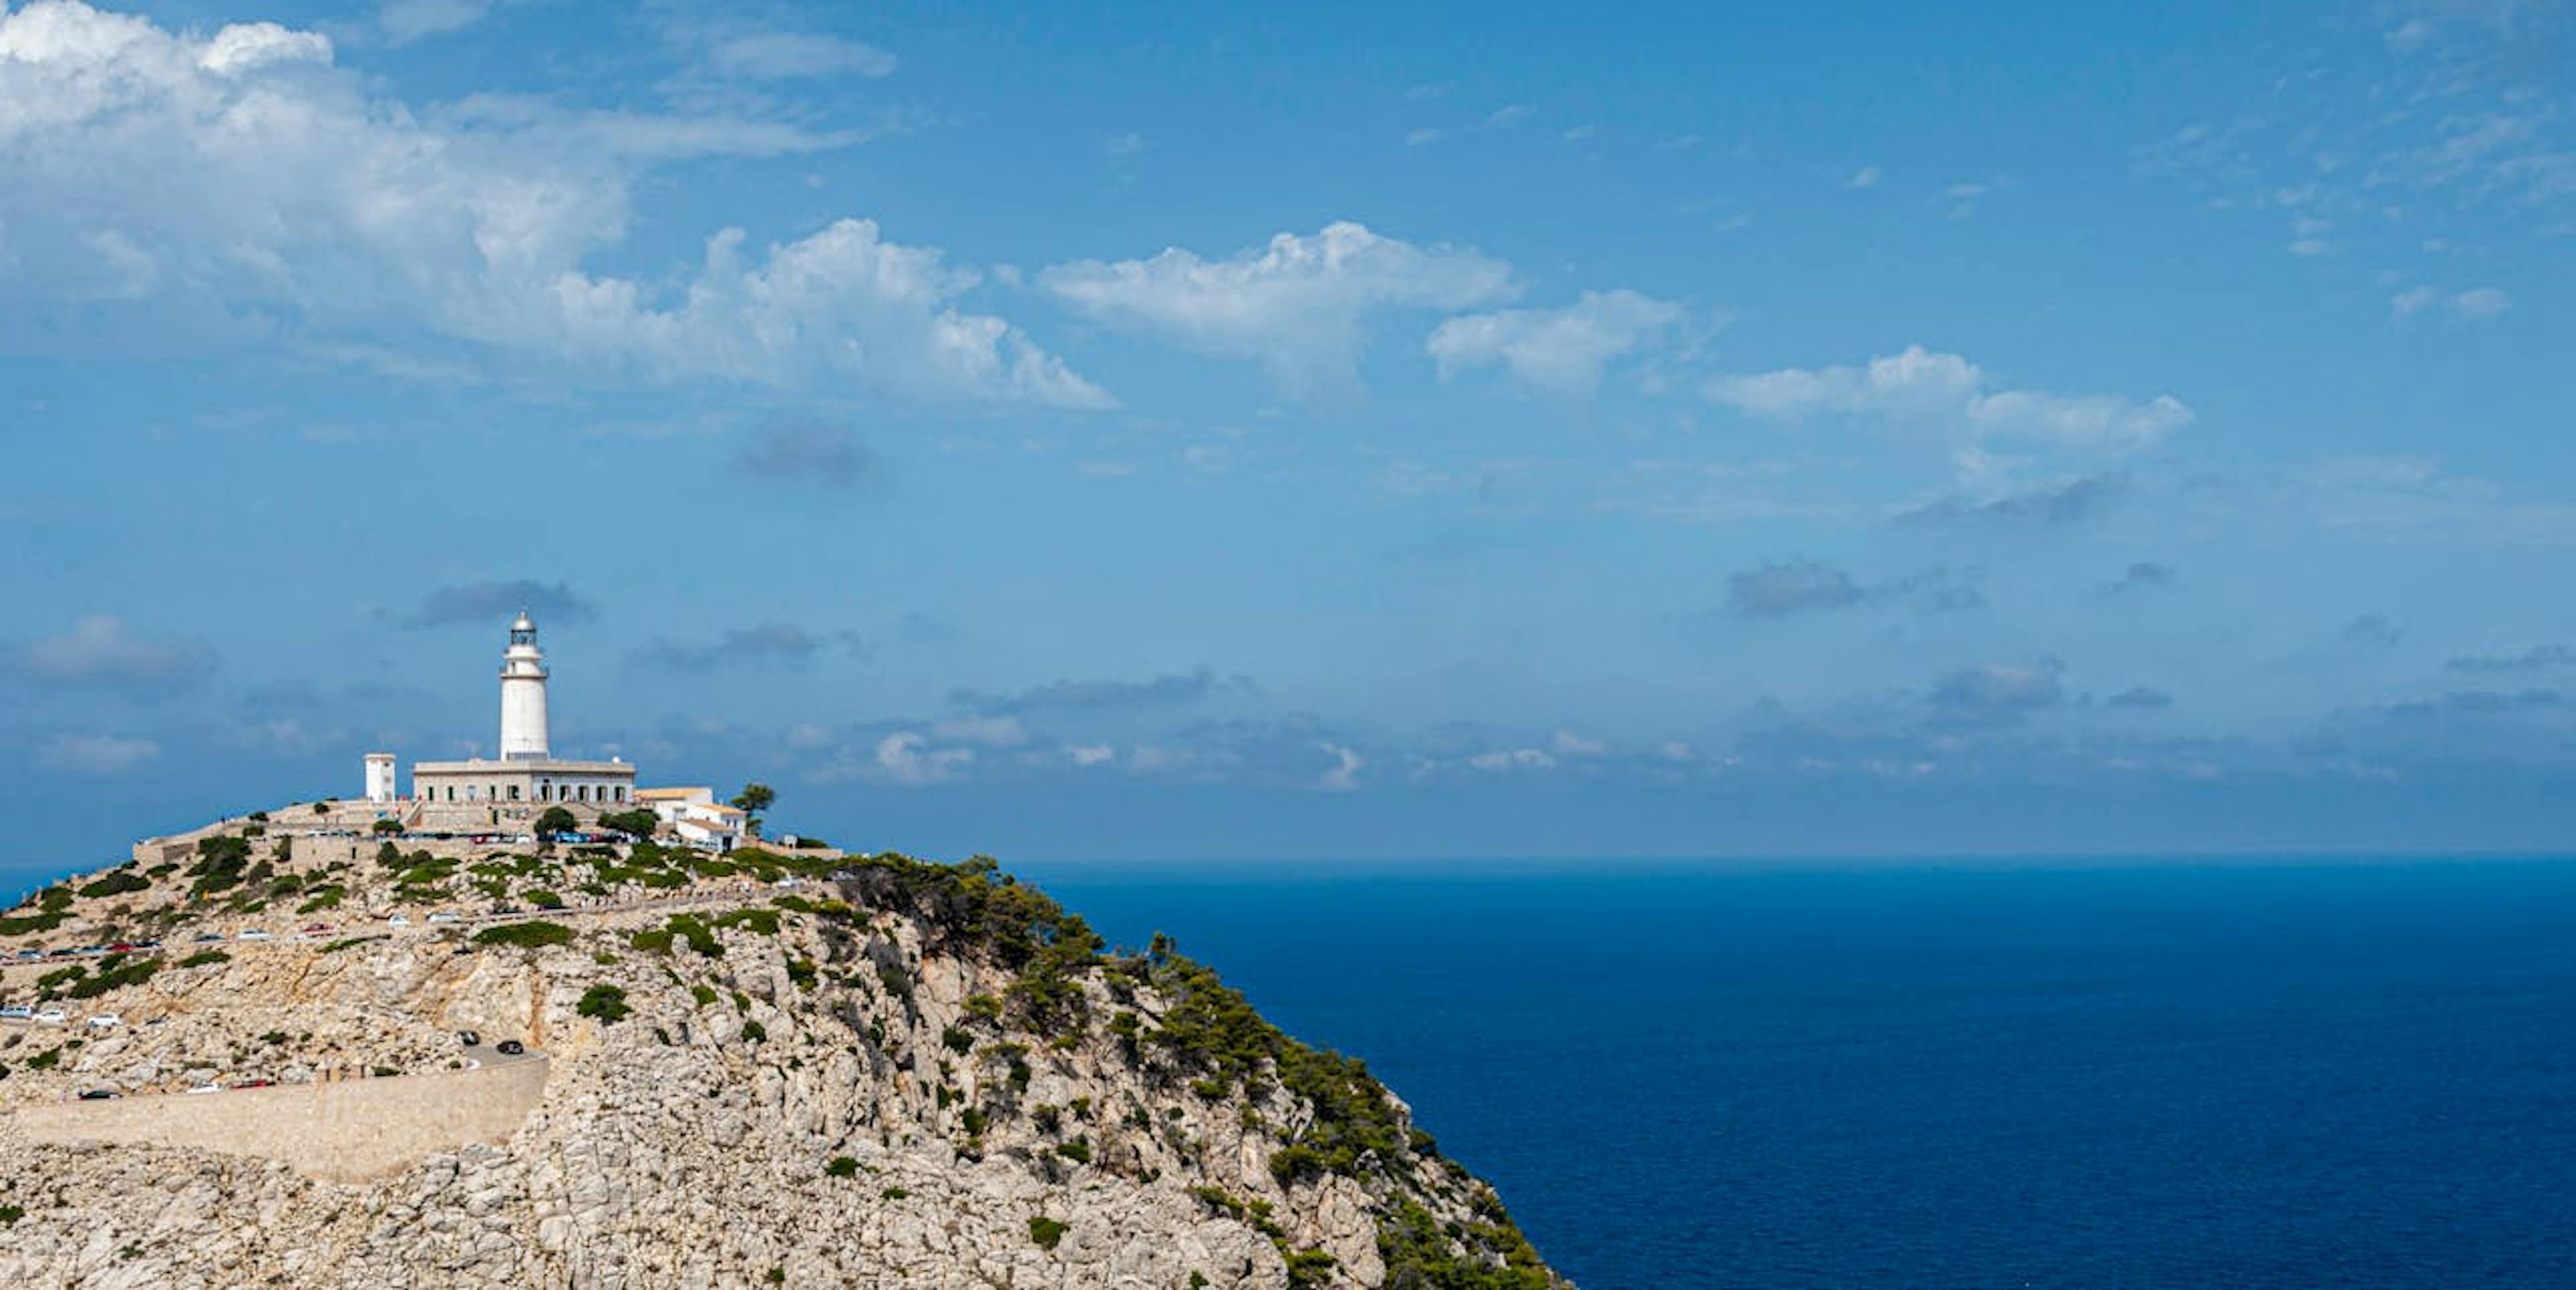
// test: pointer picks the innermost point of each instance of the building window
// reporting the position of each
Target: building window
(514, 792)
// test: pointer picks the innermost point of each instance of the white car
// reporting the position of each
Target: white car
(254, 935)
(397, 921)
(105, 1021)
(52, 1017)
(442, 917)
(17, 1012)
(207, 1088)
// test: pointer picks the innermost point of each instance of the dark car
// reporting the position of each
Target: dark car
(257, 1083)
(210, 936)
(512, 1047)
(468, 1038)
(95, 1095)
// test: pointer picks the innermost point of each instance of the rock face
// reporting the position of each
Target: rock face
(903, 1075)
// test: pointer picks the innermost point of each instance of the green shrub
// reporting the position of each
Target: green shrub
(1077, 1151)
(525, 935)
(956, 1041)
(542, 898)
(321, 898)
(842, 1167)
(763, 922)
(754, 1033)
(974, 1120)
(604, 1001)
(204, 957)
(893, 1193)
(347, 941)
(45, 1060)
(1046, 1231)
(117, 884)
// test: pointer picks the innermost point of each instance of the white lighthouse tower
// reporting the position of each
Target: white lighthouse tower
(523, 694)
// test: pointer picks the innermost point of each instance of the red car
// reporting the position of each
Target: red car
(317, 927)
(257, 1083)
(121, 947)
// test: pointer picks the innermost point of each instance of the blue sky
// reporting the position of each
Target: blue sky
(1147, 431)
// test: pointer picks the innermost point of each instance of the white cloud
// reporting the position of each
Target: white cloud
(1949, 393)
(782, 55)
(1296, 304)
(1418, 138)
(1561, 351)
(1091, 754)
(96, 754)
(405, 21)
(905, 757)
(1344, 775)
(1865, 177)
(240, 183)
(2477, 304)
(102, 649)
(2481, 303)
(1123, 145)
(1517, 759)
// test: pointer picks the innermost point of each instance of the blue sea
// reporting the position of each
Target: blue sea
(2251, 1075)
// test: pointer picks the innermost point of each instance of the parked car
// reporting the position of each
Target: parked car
(147, 945)
(17, 1012)
(31, 954)
(207, 1088)
(257, 1083)
(442, 916)
(397, 921)
(209, 936)
(96, 1095)
(121, 947)
(468, 1038)
(105, 1021)
(52, 1017)
(511, 1047)
(313, 929)
(254, 934)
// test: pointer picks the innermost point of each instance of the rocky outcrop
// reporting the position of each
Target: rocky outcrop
(908, 1075)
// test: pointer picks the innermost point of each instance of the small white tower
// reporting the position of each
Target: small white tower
(380, 778)
(523, 694)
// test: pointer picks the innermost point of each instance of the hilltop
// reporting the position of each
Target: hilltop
(765, 1068)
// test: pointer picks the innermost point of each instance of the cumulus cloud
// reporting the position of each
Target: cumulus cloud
(96, 754)
(766, 645)
(1948, 395)
(104, 650)
(1561, 351)
(1298, 304)
(804, 454)
(493, 603)
(241, 183)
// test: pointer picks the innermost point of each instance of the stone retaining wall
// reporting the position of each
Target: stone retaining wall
(345, 1131)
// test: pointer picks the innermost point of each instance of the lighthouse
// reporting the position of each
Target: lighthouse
(523, 694)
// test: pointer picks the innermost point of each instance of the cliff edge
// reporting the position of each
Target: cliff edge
(755, 1070)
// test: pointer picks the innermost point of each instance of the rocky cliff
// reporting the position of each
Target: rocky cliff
(893, 1074)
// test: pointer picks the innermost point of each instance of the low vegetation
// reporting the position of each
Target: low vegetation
(527, 936)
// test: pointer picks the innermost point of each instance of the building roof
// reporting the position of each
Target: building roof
(718, 809)
(657, 794)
